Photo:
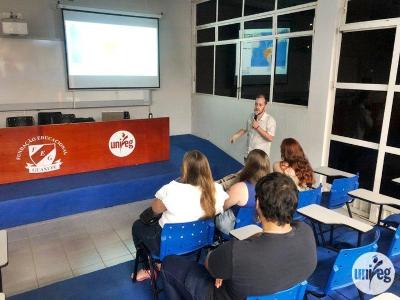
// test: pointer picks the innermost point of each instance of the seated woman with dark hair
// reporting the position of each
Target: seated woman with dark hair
(242, 194)
(194, 197)
(295, 164)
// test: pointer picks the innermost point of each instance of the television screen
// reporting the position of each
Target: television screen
(111, 51)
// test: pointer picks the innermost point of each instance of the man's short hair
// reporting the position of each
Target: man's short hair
(262, 96)
(277, 198)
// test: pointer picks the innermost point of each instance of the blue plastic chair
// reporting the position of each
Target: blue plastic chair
(338, 196)
(389, 244)
(245, 216)
(392, 220)
(294, 293)
(334, 269)
(178, 239)
(312, 196)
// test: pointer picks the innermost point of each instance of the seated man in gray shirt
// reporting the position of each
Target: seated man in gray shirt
(283, 255)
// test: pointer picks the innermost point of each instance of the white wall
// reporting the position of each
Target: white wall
(173, 99)
(216, 118)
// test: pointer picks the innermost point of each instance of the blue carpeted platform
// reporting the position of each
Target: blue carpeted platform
(43, 199)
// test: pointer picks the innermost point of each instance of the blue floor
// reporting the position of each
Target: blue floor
(115, 283)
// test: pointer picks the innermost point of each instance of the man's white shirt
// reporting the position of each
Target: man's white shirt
(254, 138)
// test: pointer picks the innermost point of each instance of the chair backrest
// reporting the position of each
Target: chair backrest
(294, 293)
(340, 187)
(184, 238)
(341, 273)
(19, 121)
(394, 248)
(312, 196)
(245, 216)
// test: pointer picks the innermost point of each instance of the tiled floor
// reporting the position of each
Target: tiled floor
(51, 251)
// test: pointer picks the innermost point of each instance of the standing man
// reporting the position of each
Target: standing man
(260, 128)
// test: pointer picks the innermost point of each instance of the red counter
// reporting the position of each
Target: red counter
(51, 150)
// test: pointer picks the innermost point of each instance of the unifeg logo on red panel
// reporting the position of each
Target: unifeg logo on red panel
(122, 143)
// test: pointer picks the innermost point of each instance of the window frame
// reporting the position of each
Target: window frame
(390, 88)
(239, 42)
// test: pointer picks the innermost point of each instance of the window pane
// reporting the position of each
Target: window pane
(366, 56)
(206, 12)
(256, 28)
(225, 77)
(359, 114)
(300, 21)
(394, 127)
(204, 69)
(256, 68)
(354, 159)
(366, 10)
(229, 9)
(228, 32)
(391, 170)
(292, 70)
(252, 7)
(206, 35)
(288, 3)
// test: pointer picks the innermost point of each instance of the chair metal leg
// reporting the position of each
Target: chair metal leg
(315, 233)
(153, 277)
(349, 210)
(321, 233)
(139, 254)
(331, 235)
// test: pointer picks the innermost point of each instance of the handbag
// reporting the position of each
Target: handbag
(225, 222)
(148, 216)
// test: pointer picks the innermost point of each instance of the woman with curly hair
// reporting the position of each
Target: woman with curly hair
(295, 164)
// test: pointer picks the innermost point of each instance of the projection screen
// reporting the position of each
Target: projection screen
(111, 51)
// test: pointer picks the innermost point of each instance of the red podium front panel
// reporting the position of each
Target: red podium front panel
(51, 150)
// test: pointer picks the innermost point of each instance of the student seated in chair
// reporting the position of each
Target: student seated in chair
(283, 255)
(243, 194)
(295, 164)
(194, 197)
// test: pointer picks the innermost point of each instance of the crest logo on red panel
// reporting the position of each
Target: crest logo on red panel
(43, 156)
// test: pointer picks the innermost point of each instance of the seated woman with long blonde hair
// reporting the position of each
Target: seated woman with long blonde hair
(195, 196)
(295, 164)
(242, 193)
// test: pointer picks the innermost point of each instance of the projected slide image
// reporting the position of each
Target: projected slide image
(257, 55)
(96, 49)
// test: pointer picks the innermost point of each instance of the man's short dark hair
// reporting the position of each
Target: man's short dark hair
(262, 96)
(277, 197)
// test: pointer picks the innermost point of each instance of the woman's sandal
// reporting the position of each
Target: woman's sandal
(143, 275)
